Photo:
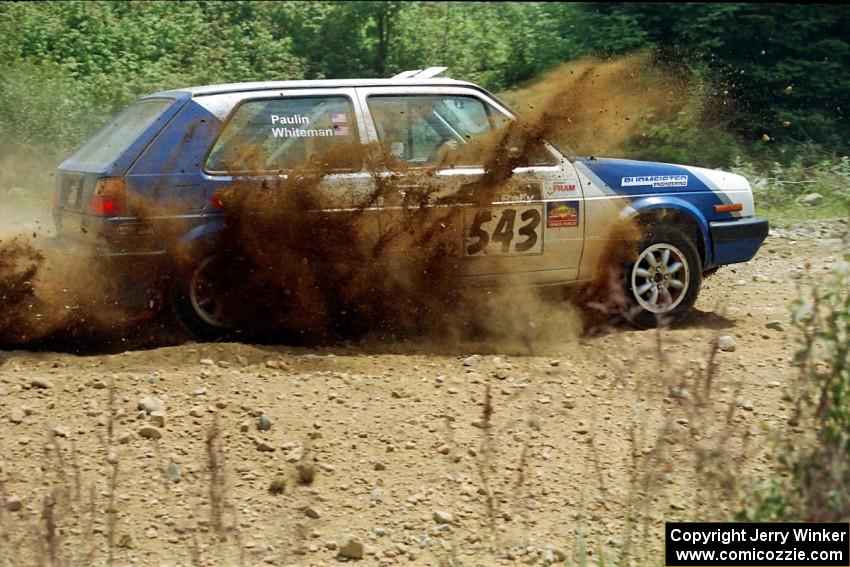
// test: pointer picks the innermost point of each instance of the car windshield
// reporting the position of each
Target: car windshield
(118, 134)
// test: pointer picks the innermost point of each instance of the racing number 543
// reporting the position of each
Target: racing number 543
(516, 232)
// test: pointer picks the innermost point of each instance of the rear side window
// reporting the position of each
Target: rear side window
(283, 133)
(107, 145)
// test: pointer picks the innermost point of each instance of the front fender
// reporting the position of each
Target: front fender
(648, 204)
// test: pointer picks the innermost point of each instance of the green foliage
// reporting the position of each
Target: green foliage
(779, 189)
(149, 44)
(614, 31)
(690, 138)
(497, 45)
(43, 105)
(811, 481)
(824, 321)
(334, 39)
(756, 52)
(66, 66)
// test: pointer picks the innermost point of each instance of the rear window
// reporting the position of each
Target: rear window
(112, 140)
(284, 133)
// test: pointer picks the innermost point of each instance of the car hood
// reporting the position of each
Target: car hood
(631, 176)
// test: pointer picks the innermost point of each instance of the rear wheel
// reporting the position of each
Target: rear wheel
(202, 300)
(663, 282)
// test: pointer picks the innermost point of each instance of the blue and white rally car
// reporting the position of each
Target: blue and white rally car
(147, 183)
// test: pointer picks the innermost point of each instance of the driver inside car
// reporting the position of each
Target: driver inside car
(442, 151)
(402, 140)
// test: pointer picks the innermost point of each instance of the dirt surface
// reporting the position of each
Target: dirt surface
(581, 438)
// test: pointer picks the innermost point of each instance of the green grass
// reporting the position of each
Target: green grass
(810, 480)
(778, 189)
(781, 214)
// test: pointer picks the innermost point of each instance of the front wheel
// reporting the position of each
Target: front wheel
(663, 282)
(201, 299)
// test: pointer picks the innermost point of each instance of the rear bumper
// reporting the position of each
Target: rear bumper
(737, 240)
(87, 249)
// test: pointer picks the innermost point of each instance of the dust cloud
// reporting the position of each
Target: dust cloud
(593, 107)
(45, 294)
(288, 263)
(49, 296)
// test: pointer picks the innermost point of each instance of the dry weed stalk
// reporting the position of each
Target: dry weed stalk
(8, 550)
(486, 461)
(714, 450)
(220, 506)
(111, 510)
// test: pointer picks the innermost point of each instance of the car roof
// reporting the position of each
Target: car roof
(314, 84)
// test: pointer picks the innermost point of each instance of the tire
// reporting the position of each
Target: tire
(200, 302)
(663, 282)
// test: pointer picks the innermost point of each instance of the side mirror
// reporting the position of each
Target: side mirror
(514, 153)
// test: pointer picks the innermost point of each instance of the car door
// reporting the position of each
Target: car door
(435, 142)
(316, 133)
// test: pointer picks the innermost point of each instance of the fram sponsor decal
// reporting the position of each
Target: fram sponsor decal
(656, 181)
(562, 214)
(563, 187)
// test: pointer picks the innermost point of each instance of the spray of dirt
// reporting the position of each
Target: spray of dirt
(310, 257)
(322, 274)
(304, 254)
(19, 264)
(51, 296)
(594, 107)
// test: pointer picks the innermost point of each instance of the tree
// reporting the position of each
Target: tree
(784, 68)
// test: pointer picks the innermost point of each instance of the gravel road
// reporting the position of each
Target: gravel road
(417, 453)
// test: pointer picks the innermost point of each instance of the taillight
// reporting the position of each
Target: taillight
(216, 203)
(109, 197)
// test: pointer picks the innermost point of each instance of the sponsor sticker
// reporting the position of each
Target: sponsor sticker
(525, 191)
(301, 127)
(562, 214)
(294, 119)
(655, 181)
(563, 187)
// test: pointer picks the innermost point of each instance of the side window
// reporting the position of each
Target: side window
(538, 155)
(283, 133)
(444, 129)
(431, 129)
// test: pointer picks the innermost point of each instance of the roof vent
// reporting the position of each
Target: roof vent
(407, 74)
(429, 73)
